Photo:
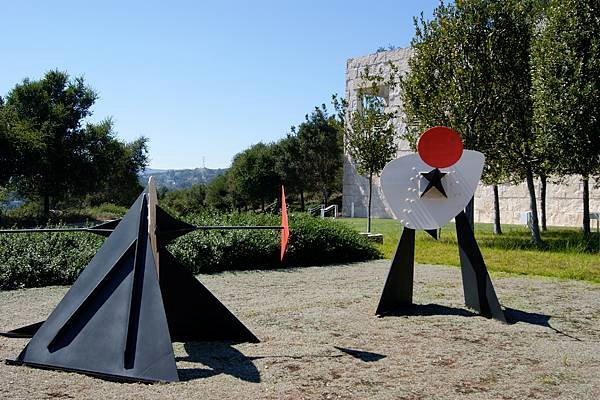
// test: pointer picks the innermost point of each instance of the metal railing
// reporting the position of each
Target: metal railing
(323, 211)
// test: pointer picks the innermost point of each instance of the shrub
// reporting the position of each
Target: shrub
(103, 212)
(313, 241)
(40, 259)
(30, 214)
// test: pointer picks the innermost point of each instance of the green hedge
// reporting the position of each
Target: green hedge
(43, 259)
(29, 260)
(313, 241)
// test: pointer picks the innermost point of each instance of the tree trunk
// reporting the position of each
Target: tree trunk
(302, 200)
(497, 226)
(470, 211)
(46, 206)
(535, 227)
(325, 198)
(586, 207)
(369, 206)
(544, 180)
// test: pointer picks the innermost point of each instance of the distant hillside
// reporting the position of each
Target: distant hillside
(180, 178)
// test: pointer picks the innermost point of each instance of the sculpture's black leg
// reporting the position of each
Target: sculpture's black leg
(477, 285)
(398, 289)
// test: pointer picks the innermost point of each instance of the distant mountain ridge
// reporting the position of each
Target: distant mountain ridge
(180, 178)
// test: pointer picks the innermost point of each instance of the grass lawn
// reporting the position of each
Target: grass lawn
(564, 254)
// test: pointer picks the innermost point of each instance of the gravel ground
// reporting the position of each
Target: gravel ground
(320, 340)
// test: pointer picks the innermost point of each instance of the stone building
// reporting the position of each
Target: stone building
(564, 200)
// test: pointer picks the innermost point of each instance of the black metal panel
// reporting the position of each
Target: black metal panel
(169, 228)
(193, 312)
(477, 284)
(104, 228)
(398, 289)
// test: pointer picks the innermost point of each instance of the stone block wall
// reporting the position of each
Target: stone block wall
(356, 187)
(563, 200)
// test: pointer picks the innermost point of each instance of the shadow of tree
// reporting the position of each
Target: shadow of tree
(219, 358)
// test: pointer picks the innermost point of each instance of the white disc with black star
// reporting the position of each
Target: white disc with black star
(417, 202)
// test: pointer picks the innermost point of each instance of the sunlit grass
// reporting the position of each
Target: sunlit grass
(564, 253)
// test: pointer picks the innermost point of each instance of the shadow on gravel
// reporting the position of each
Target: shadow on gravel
(222, 358)
(514, 316)
(365, 356)
(428, 310)
(218, 358)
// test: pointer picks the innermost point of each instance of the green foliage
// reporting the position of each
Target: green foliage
(41, 259)
(566, 90)
(17, 145)
(313, 241)
(307, 160)
(320, 149)
(252, 177)
(316, 241)
(470, 71)
(52, 155)
(289, 164)
(29, 215)
(25, 216)
(103, 212)
(217, 194)
(370, 136)
(185, 201)
(114, 176)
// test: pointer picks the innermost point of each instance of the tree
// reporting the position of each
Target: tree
(566, 89)
(320, 148)
(370, 136)
(218, 194)
(55, 156)
(113, 165)
(186, 201)
(18, 146)
(289, 164)
(52, 108)
(252, 176)
(470, 71)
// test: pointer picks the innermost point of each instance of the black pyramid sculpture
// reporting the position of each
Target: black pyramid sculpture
(131, 301)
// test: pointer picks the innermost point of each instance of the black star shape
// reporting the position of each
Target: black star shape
(435, 181)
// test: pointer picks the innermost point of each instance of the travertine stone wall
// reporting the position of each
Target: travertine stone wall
(356, 187)
(564, 200)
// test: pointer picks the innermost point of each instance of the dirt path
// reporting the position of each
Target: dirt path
(320, 340)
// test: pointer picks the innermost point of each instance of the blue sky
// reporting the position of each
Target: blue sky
(200, 79)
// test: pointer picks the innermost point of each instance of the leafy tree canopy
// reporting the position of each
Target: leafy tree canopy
(53, 153)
